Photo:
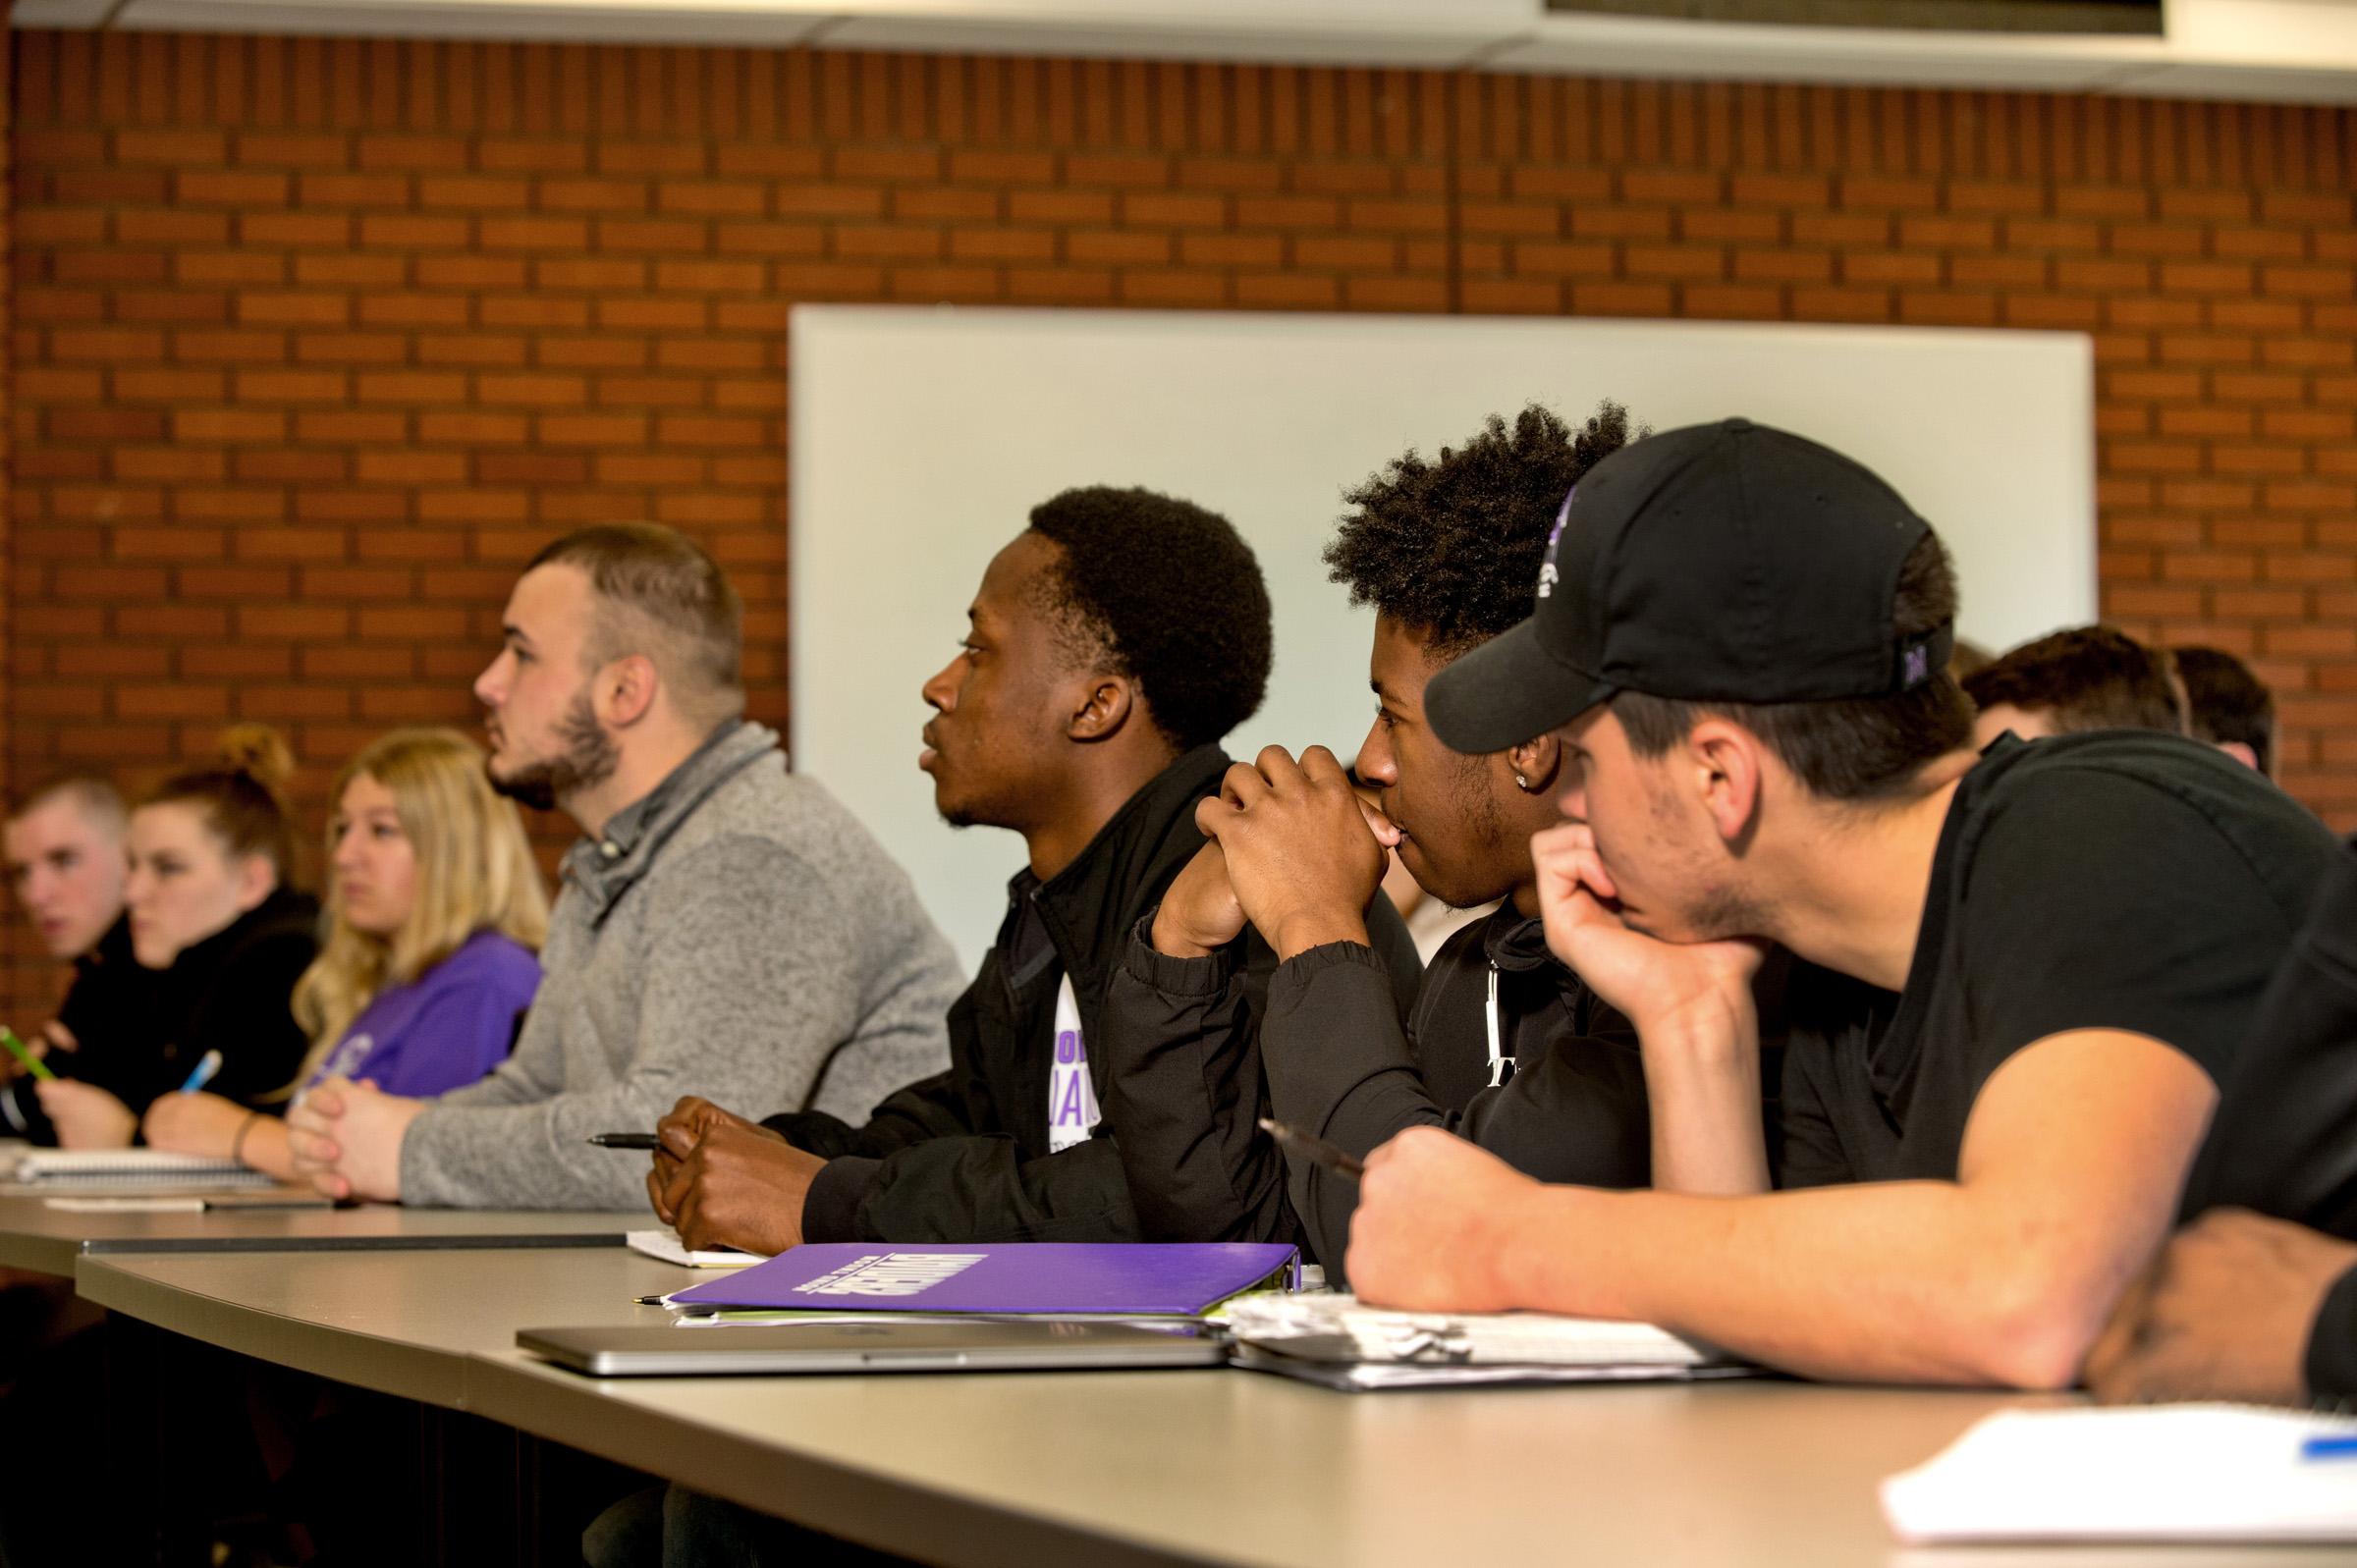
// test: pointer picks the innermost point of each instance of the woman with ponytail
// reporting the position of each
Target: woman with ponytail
(212, 858)
(435, 912)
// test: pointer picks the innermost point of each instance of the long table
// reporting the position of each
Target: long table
(1197, 1468)
(38, 1236)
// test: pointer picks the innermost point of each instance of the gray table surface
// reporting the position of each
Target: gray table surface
(1181, 1467)
(43, 1239)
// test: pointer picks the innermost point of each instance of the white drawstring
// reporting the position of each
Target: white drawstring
(1498, 1064)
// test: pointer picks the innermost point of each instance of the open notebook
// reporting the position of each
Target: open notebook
(1334, 1341)
(131, 1168)
(2193, 1473)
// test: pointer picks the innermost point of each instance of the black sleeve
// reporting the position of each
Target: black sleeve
(975, 1189)
(930, 1108)
(2331, 1355)
(1182, 1079)
(248, 1016)
(2112, 906)
(935, 1162)
(1179, 1079)
(2284, 1140)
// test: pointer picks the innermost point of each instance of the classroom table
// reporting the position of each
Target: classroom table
(47, 1240)
(1197, 1467)
(407, 1324)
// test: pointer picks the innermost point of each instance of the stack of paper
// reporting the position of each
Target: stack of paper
(667, 1246)
(2216, 1473)
(132, 1168)
(1332, 1340)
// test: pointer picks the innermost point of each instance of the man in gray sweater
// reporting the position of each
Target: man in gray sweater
(725, 928)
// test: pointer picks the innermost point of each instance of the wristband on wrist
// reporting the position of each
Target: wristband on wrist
(237, 1145)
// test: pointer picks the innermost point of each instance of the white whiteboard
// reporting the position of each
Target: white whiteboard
(924, 436)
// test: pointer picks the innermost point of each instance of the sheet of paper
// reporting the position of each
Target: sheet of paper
(2197, 1472)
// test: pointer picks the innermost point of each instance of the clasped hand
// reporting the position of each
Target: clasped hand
(345, 1139)
(1293, 851)
(722, 1181)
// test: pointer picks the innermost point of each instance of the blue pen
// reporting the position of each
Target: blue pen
(206, 1065)
(2340, 1446)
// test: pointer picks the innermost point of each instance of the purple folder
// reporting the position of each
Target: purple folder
(1119, 1278)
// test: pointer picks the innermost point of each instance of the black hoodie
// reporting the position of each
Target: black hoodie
(964, 1156)
(110, 1010)
(1338, 1064)
(230, 992)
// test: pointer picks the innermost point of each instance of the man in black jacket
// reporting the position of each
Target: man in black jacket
(1113, 643)
(66, 864)
(1506, 1046)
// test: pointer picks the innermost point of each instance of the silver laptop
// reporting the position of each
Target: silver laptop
(885, 1345)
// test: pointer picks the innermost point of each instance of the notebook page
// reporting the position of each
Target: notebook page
(2216, 1473)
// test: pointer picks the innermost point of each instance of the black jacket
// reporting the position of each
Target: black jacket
(110, 1010)
(2284, 1139)
(140, 1032)
(964, 1156)
(1339, 1064)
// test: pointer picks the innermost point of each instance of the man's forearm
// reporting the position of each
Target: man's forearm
(1702, 1087)
(1896, 1282)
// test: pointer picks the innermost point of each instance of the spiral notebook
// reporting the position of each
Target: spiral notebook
(131, 1169)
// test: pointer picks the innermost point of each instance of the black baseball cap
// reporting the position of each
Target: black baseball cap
(1725, 562)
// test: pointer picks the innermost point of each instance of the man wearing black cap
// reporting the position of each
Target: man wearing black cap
(2022, 973)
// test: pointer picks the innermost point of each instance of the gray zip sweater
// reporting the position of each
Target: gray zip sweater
(734, 933)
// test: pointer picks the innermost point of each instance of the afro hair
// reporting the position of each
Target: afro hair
(1451, 547)
(1171, 595)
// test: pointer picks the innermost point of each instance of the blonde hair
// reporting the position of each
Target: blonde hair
(474, 873)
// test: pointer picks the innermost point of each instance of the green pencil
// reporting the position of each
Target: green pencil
(33, 1063)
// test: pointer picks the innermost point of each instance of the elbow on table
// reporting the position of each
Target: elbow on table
(2035, 1333)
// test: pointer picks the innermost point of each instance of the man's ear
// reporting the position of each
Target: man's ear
(624, 690)
(1726, 767)
(1106, 705)
(2242, 752)
(1533, 765)
(257, 878)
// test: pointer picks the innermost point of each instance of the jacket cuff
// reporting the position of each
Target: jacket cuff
(1178, 977)
(2331, 1359)
(830, 1208)
(1304, 967)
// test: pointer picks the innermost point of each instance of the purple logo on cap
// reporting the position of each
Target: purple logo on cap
(1548, 576)
(1918, 667)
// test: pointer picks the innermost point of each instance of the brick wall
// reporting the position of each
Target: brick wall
(314, 341)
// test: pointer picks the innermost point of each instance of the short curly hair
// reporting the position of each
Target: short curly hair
(1451, 547)
(1171, 595)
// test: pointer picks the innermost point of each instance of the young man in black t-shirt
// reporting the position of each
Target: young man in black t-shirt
(2022, 973)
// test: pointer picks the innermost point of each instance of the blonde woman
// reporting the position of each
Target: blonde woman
(435, 911)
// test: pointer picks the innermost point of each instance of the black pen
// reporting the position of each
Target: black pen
(626, 1139)
(1320, 1152)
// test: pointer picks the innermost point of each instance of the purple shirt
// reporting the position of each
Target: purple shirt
(444, 1029)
